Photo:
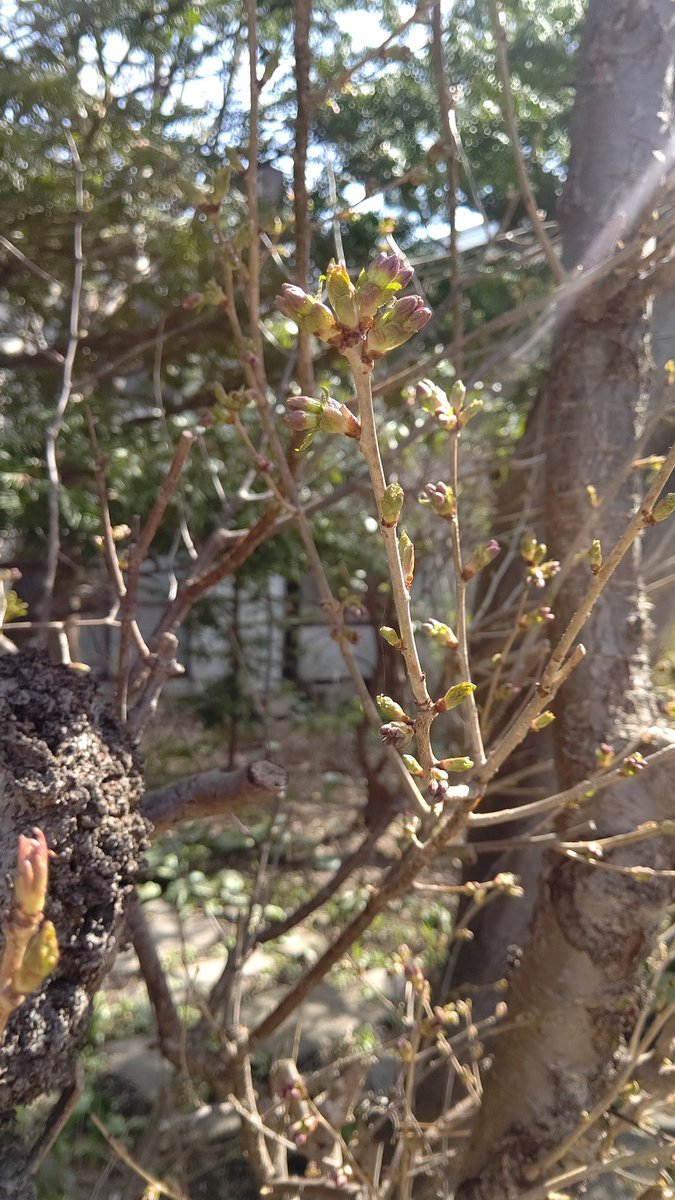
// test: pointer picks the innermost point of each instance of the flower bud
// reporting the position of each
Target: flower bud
(391, 711)
(538, 576)
(462, 763)
(40, 957)
(604, 755)
(341, 294)
(664, 509)
(538, 616)
(481, 557)
(634, 763)
(30, 881)
(309, 314)
(391, 505)
(439, 632)
(385, 275)
(396, 734)
(407, 552)
(325, 415)
(540, 722)
(396, 323)
(441, 498)
(390, 636)
(454, 696)
(595, 556)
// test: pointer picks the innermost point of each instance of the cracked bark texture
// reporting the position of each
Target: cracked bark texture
(68, 767)
(592, 928)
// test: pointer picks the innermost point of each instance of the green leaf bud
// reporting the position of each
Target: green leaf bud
(454, 696)
(391, 711)
(664, 509)
(541, 722)
(391, 505)
(390, 636)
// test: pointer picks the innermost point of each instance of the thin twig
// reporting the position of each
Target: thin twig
(509, 112)
(53, 476)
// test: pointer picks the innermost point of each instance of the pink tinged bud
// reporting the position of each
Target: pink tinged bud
(441, 498)
(481, 557)
(40, 958)
(604, 755)
(540, 722)
(396, 323)
(407, 552)
(396, 734)
(342, 295)
(391, 505)
(30, 884)
(307, 413)
(309, 314)
(386, 275)
(454, 696)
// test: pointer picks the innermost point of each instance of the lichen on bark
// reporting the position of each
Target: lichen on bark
(68, 767)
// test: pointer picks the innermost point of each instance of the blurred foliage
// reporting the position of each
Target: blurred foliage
(156, 101)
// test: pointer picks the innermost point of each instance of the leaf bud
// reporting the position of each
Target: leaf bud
(390, 636)
(412, 765)
(391, 505)
(342, 295)
(407, 552)
(454, 696)
(595, 556)
(664, 509)
(391, 711)
(481, 557)
(324, 415)
(462, 763)
(439, 632)
(540, 722)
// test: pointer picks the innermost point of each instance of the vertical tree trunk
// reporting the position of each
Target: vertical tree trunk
(592, 928)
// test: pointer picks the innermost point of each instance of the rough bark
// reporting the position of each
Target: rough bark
(67, 767)
(592, 928)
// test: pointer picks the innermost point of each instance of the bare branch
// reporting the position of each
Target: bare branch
(212, 794)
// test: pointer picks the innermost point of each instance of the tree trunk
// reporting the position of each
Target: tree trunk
(68, 768)
(592, 927)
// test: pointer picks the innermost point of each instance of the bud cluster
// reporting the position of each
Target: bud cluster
(228, 404)
(441, 498)
(538, 616)
(310, 415)
(539, 570)
(451, 411)
(369, 313)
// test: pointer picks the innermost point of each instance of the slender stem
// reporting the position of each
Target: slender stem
(509, 112)
(473, 723)
(446, 105)
(371, 452)
(53, 476)
(497, 673)
(585, 789)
